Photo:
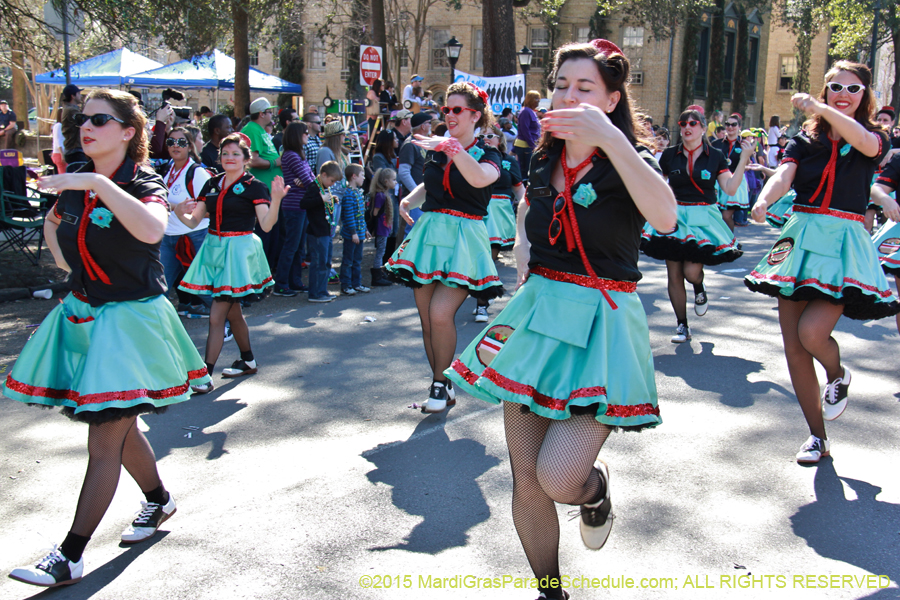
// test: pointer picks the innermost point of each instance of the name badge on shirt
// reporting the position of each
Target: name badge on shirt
(70, 219)
(541, 192)
(675, 172)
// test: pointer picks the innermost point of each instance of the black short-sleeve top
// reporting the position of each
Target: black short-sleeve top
(890, 175)
(108, 263)
(510, 176)
(610, 225)
(462, 196)
(833, 174)
(699, 185)
(237, 212)
(731, 150)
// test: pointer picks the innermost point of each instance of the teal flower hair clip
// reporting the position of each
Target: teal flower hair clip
(476, 152)
(585, 195)
(101, 217)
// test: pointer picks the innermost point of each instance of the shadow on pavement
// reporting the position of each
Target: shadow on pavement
(434, 477)
(859, 532)
(722, 375)
(167, 431)
(103, 575)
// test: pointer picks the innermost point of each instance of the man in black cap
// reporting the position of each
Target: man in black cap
(8, 126)
(71, 106)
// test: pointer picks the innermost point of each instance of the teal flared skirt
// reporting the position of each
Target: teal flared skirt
(228, 266)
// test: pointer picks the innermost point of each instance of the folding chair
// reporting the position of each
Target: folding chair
(21, 216)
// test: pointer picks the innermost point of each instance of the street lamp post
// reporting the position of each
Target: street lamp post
(453, 50)
(525, 55)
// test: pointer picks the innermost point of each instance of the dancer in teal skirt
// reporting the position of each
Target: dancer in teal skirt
(695, 169)
(823, 264)
(501, 218)
(447, 256)
(114, 348)
(887, 239)
(569, 357)
(231, 265)
(735, 151)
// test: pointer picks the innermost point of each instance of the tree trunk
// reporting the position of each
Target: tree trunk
(805, 33)
(498, 38)
(241, 58)
(19, 91)
(379, 35)
(895, 40)
(357, 35)
(739, 93)
(716, 59)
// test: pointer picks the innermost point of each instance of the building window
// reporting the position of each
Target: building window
(730, 41)
(540, 46)
(478, 50)
(254, 57)
(702, 63)
(634, 37)
(637, 78)
(786, 72)
(753, 68)
(439, 39)
(276, 58)
(404, 56)
(582, 35)
(317, 58)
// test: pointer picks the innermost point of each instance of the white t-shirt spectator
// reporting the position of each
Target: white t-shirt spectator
(178, 193)
(408, 95)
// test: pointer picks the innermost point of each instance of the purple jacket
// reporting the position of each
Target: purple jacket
(529, 128)
(295, 168)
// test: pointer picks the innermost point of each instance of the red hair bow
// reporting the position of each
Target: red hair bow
(697, 108)
(481, 93)
(606, 46)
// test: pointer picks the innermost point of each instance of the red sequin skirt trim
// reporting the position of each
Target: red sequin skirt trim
(229, 233)
(456, 213)
(830, 212)
(628, 287)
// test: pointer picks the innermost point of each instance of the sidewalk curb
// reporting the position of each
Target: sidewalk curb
(10, 294)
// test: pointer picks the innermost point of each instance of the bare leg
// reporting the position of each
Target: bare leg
(728, 217)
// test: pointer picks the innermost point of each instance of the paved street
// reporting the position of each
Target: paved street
(312, 476)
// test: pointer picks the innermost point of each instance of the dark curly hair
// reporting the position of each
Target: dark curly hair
(473, 101)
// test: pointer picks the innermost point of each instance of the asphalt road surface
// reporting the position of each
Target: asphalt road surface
(314, 480)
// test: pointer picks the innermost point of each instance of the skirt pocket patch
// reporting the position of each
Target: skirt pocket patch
(568, 320)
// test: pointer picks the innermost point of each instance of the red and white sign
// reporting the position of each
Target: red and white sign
(369, 64)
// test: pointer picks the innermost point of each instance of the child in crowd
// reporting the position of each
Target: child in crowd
(353, 230)
(383, 182)
(319, 204)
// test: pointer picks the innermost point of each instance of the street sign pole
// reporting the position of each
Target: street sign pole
(65, 24)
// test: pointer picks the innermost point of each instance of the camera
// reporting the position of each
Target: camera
(182, 112)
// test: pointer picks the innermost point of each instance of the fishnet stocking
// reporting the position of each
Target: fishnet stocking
(806, 330)
(552, 461)
(221, 311)
(111, 445)
(437, 305)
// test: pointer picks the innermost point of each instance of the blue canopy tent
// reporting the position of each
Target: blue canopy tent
(106, 70)
(212, 71)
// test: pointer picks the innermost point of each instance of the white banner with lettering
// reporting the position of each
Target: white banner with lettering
(503, 91)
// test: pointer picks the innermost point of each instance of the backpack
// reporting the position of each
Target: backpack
(162, 169)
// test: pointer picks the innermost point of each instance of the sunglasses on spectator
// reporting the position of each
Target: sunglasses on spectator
(853, 88)
(732, 124)
(488, 136)
(691, 123)
(180, 142)
(98, 120)
(455, 110)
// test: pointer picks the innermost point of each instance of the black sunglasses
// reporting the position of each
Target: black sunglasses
(98, 120)
(691, 123)
(455, 110)
(180, 142)
(731, 124)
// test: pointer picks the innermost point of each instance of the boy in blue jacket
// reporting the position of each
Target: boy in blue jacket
(353, 230)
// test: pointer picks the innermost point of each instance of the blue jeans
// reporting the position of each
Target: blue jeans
(351, 266)
(172, 267)
(319, 251)
(336, 219)
(289, 273)
(524, 157)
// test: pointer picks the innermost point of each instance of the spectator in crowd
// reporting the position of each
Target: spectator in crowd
(320, 206)
(71, 106)
(402, 125)
(374, 109)
(509, 132)
(387, 98)
(286, 116)
(529, 132)
(383, 210)
(662, 141)
(205, 112)
(713, 127)
(775, 130)
(265, 165)
(385, 151)
(8, 126)
(165, 121)
(332, 149)
(353, 230)
(219, 127)
(411, 162)
(413, 92)
(56, 155)
(289, 274)
(427, 100)
(314, 124)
